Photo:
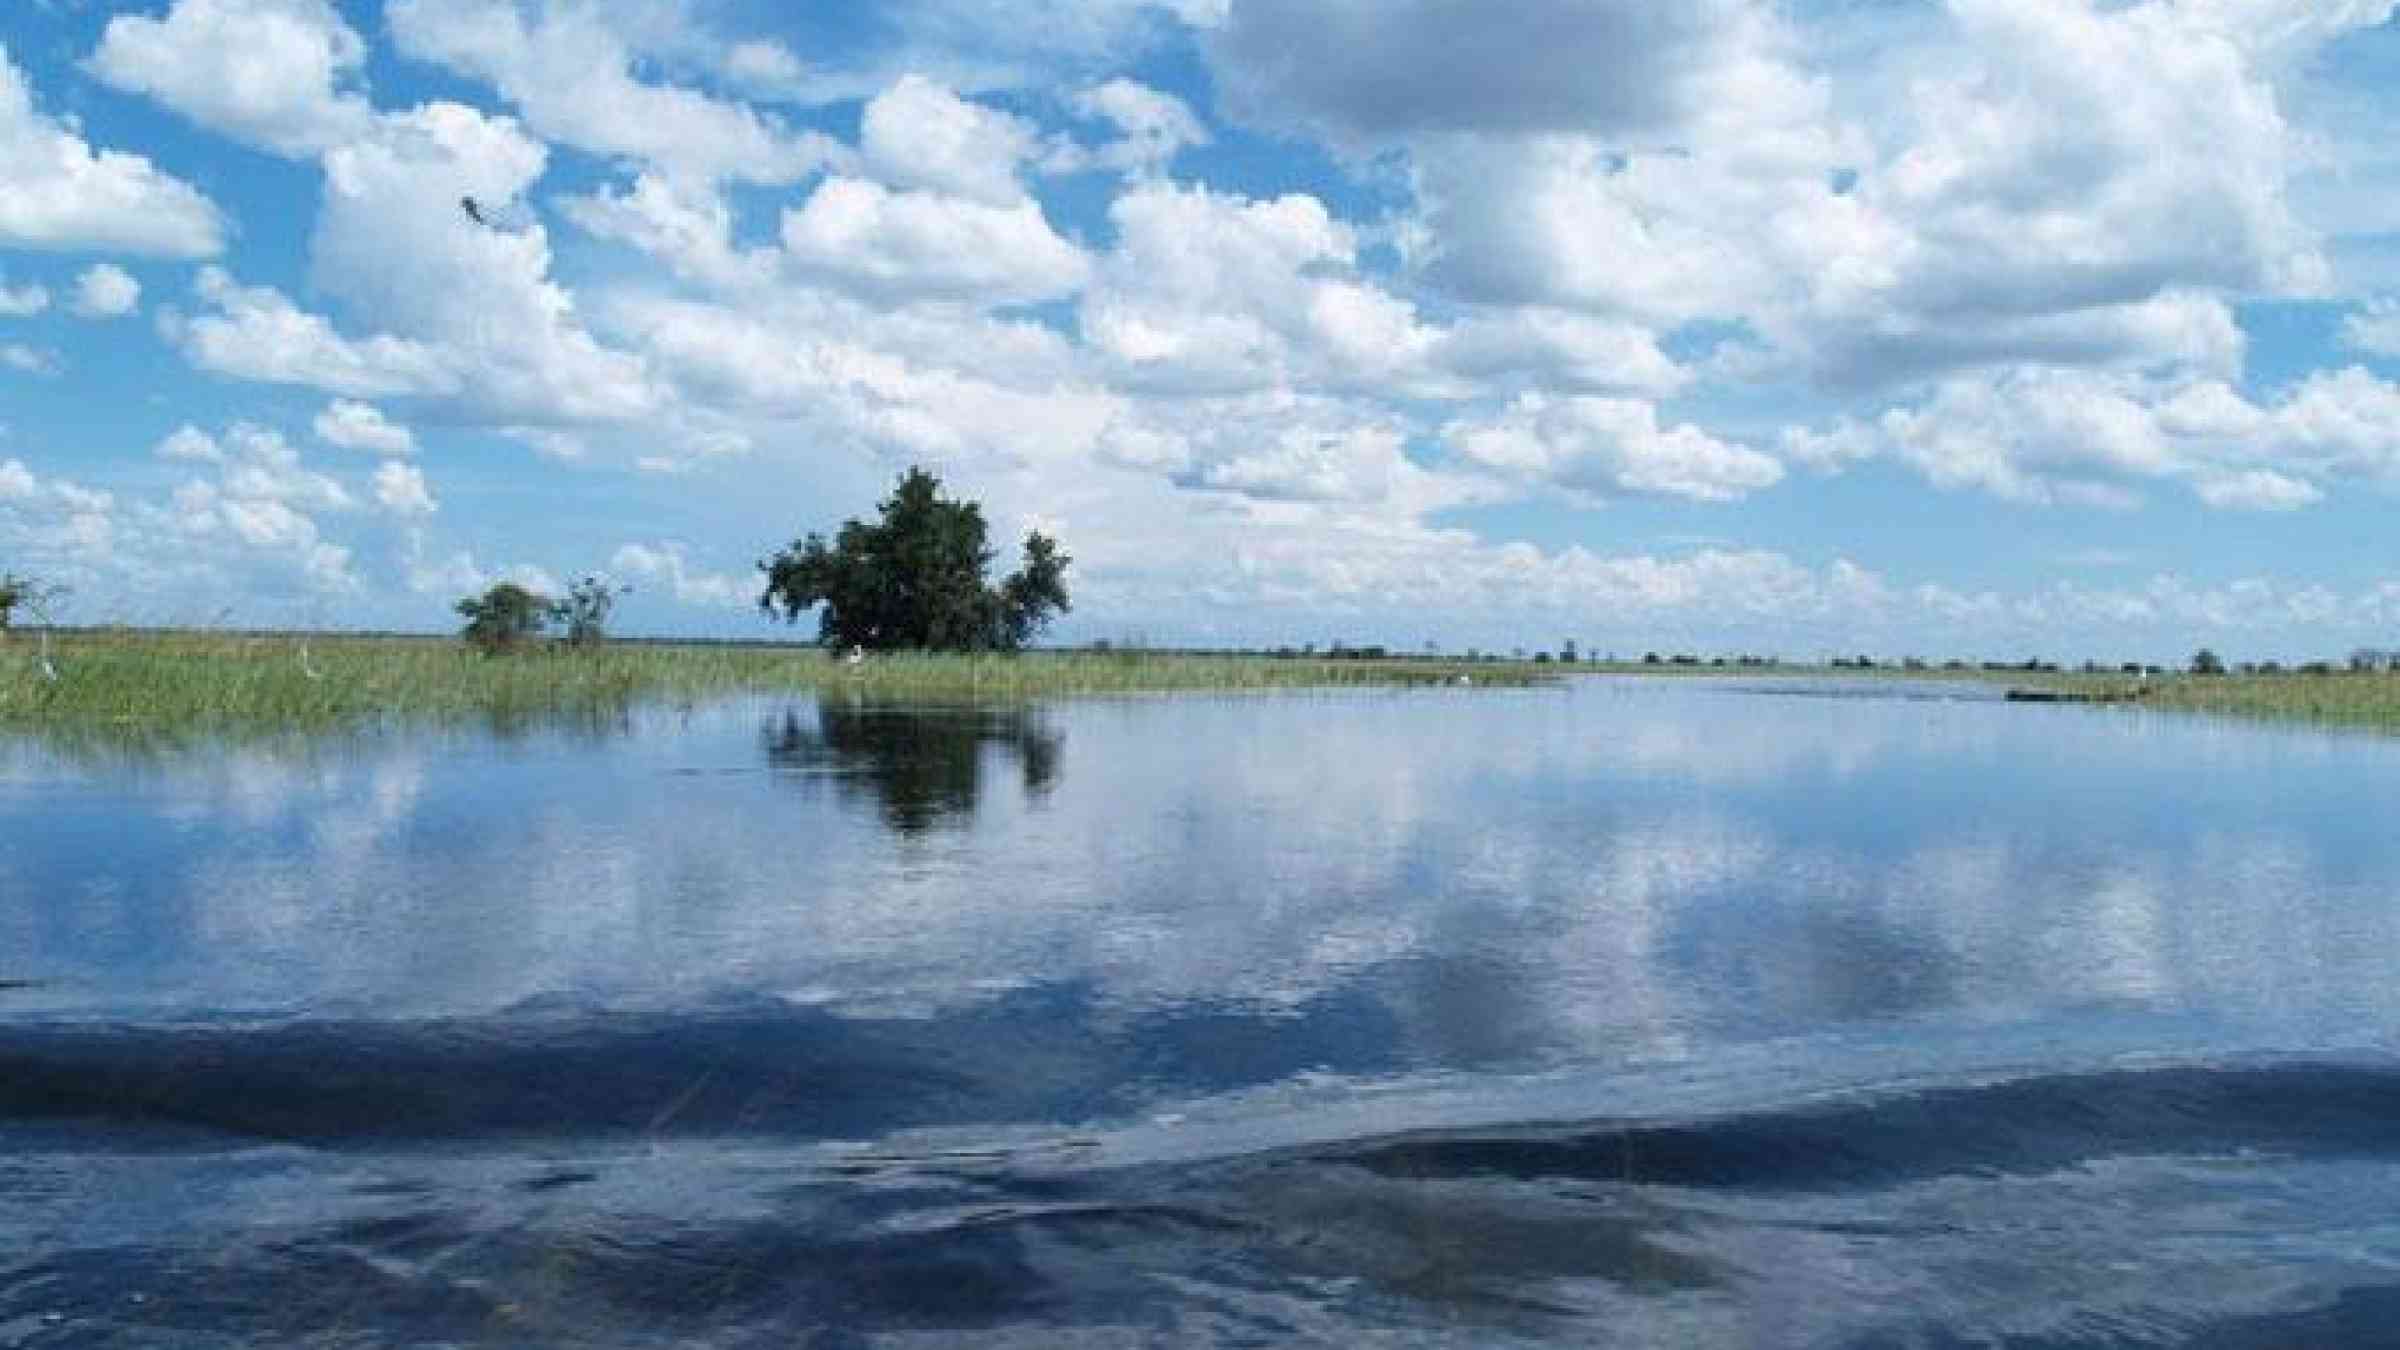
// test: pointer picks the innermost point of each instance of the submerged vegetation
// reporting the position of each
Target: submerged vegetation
(173, 688)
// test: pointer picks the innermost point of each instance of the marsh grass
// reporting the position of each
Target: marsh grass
(148, 687)
(2344, 698)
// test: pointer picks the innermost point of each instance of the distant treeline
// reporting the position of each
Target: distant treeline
(2029, 666)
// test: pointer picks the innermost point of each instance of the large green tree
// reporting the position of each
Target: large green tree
(915, 579)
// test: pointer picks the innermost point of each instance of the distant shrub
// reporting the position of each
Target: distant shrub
(585, 610)
(504, 618)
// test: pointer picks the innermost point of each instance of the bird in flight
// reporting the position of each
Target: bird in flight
(474, 212)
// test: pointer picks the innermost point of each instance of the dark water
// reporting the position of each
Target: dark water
(1634, 1013)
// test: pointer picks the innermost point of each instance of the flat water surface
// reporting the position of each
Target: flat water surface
(1676, 1012)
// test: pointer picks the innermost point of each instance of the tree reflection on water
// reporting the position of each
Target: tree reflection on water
(921, 767)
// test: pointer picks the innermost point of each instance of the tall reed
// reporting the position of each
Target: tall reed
(173, 687)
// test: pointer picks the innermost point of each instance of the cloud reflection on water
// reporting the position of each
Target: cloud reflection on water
(1386, 880)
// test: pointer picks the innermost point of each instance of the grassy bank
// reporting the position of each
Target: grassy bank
(169, 688)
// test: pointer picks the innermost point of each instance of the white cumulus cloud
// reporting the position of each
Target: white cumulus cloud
(2258, 490)
(362, 426)
(105, 291)
(22, 302)
(1152, 126)
(572, 76)
(391, 247)
(257, 333)
(189, 442)
(400, 489)
(764, 67)
(1209, 292)
(2375, 327)
(58, 192)
(667, 564)
(1605, 447)
(277, 74)
(26, 359)
(918, 134)
(904, 245)
(2047, 435)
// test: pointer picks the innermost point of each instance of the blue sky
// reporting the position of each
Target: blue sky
(1977, 327)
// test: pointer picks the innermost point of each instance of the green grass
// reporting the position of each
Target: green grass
(2343, 698)
(142, 689)
(2370, 701)
(149, 688)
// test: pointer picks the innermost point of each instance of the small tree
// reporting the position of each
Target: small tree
(915, 579)
(504, 618)
(2206, 662)
(585, 610)
(27, 593)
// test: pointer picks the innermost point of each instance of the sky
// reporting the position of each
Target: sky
(1980, 328)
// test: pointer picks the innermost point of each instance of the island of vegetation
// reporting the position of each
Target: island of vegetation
(905, 611)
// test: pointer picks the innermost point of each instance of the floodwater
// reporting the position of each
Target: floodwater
(1630, 1012)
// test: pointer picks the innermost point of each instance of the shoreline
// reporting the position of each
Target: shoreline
(136, 687)
(169, 688)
